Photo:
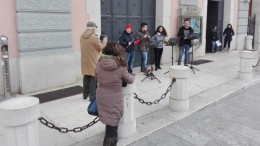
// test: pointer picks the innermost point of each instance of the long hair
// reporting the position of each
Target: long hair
(230, 27)
(117, 52)
(163, 32)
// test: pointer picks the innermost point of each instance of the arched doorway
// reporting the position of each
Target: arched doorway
(115, 14)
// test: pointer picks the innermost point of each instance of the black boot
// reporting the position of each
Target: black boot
(110, 141)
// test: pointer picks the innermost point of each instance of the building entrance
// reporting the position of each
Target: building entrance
(115, 14)
(214, 17)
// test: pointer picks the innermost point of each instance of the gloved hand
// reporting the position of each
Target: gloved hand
(136, 42)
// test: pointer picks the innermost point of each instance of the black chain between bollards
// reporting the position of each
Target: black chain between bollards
(254, 66)
(66, 130)
(158, 100)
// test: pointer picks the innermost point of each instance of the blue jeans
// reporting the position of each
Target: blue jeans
(183, 48)
(214, 46)
(130, 57)
(143, 61)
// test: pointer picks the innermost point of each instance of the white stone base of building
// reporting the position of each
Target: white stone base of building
(50, 71)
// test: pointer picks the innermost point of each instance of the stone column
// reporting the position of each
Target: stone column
(257, 29)
(93, 10)
(127, 124)
(19, 118)
(246, 62)
(163, 16)
(179, 99)
(242, 23)
(249, 42)
(229, 11)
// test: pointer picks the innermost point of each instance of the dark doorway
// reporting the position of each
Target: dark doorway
(115, 14)
(214, 17)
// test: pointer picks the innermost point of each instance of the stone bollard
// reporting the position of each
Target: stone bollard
(246, 62)
(127, 124)
(249, 42)
(179, 99)
(19, 118)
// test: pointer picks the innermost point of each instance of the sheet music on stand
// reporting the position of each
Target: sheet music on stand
(172, 42)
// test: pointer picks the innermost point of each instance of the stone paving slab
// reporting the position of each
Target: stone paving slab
(228, 122)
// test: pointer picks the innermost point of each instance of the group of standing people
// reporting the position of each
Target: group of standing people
(107, 65)
(228, 33)
(128, 40)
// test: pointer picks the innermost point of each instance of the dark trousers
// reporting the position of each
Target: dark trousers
(157, 56)
(225, 44)
(89, 87)
(110, 136)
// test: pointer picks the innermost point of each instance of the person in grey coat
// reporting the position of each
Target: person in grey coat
(158, 39)
(111, 71)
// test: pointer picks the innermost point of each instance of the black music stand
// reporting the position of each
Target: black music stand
(172, 42)
(191, 62)
(149, 72)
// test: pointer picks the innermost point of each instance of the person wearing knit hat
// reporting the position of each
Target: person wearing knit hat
(128, 26)
(127, 40)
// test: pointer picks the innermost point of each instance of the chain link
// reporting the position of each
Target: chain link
(66, 130)
(149, 103)
(80, 129)
(254, 66)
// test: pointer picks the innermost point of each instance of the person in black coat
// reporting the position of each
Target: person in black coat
(228, 33)
(214, 38)
(126, 40)
(185, 33)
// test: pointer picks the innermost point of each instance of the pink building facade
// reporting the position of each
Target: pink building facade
(44, 35)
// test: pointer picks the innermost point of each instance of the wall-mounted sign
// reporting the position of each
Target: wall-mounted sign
(188, 2)
(195, 23)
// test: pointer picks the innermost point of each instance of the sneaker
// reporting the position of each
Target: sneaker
(185, 65)
(159, 67)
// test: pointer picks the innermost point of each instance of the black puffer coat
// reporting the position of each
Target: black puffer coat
(124, 40)
(228, 33)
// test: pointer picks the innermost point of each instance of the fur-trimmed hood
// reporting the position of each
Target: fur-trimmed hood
(107, 62)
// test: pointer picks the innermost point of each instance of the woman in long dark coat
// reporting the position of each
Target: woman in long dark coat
(228, 33)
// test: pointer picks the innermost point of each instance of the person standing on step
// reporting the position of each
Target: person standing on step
(111, 72)
(143, 41)
(214, 39)
(158, 40)
(90, 48)
(184, 34)
(228, 33)
(126, 40)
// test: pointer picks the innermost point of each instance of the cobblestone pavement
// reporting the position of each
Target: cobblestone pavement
(232, 121)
